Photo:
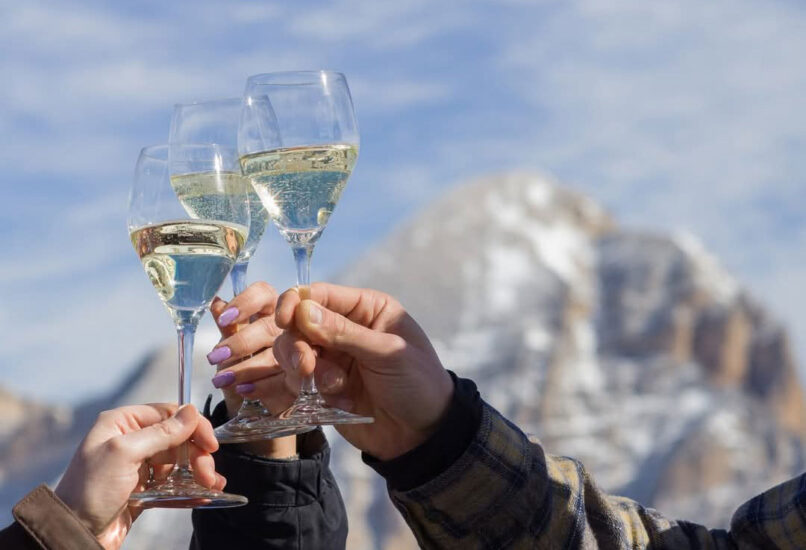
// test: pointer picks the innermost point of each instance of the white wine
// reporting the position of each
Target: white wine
(215, 195)
(300, 186)
(187, 261)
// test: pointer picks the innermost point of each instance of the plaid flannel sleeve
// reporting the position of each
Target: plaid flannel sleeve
(505, 492)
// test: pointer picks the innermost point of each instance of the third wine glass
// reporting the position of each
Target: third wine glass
(298, 144)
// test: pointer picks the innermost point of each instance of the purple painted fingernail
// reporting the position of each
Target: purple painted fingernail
(228, 316)
(219, 354)
(245, 388)
(223, 379)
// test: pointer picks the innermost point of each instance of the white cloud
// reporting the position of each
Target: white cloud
(685, 115)
(396, 95)
(380, 25)
(678, 114)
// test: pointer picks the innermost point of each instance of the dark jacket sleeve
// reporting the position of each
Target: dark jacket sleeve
(496, 488)
(292, 504)
(45, 522)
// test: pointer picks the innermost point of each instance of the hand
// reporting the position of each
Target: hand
(109, 464)
(248, 367)
(371, 358)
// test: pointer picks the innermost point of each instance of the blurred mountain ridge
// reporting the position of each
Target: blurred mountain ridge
(633, 351)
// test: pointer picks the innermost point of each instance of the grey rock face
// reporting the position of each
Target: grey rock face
(634, 352)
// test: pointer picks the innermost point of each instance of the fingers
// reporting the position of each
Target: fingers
(163, 435)
(170, 456)
(134, 417)
(203, 436)
(202, 464)
(203, 467)
(216, 309)
(363, 306)
(294, 354)
(259, 298)
(276, 392)
(261, 365)
(334, 331)
(331, 378)
(247, 340)
(286, 305)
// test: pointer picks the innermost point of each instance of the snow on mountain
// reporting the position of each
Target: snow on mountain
(631, 351)
(634, 352)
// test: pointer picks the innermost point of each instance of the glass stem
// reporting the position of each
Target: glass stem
(186, 334)
(302, 257)
(238, 277)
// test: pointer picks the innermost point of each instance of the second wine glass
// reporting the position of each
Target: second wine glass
(194, 127)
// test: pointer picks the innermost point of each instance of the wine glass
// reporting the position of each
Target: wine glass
(298, 143)
(216, 122)
(186, 260)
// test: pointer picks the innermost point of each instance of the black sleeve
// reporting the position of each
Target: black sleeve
(293, 504)
(15, 537)
(442, 449)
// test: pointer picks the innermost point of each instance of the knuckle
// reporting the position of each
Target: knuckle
(106, 416)
(268, 327)
(341, 328)
(265, 289)
(279, 350)
(267, 357)
(165, 429)
(397, 345)
(237, 343)
(115, 446)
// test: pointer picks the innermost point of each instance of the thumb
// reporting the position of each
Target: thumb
(330, 330)
(161, 436)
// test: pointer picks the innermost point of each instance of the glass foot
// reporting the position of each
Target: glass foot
(258, 427)
(179, 490)
(311, 409)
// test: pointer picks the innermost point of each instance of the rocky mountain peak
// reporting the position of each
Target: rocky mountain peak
(633, 351)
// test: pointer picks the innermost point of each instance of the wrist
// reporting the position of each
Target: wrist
(74, 501)
(278, 448)
(448, 441)
(439, 405)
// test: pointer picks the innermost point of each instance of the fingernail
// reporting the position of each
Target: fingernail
(185, 414)
(245, 388)
(314, 313)
(219, 354)
(296, 357)
(228, 316)
(331, 380)
(223, 379)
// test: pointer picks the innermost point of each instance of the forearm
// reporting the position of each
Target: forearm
(292, 503)
(504, 491)
(45, 522)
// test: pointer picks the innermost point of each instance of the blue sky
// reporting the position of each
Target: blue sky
(675, 116)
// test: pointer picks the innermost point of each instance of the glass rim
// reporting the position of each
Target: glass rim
(208, 102)
(160, 151)
(293, 78)
(154, 151)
